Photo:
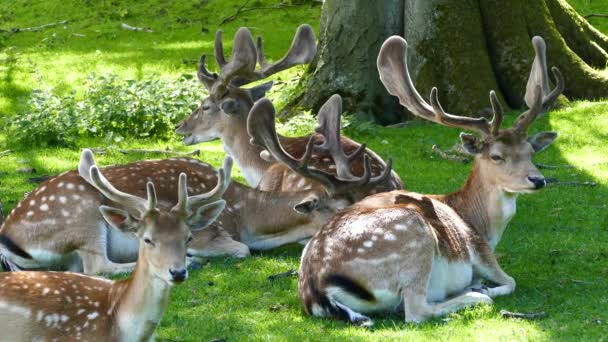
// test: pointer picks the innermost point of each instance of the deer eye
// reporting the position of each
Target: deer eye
(148, 241)
(497, 158)
(206, 107)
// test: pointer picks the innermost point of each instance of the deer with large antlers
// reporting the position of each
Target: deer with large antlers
(54, 306)
(425, 255)
(57, 227)
(224, 113)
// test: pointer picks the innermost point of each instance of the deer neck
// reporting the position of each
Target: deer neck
(139, 302)
(484, 205)
(246, 155)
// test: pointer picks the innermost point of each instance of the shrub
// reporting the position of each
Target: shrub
(111, 108)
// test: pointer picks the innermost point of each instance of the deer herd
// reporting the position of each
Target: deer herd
(371, 246)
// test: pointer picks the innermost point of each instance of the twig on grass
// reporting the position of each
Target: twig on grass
(450, 155)
(286, 274)
(38, 179)
(598, 15)
(134, 28)
(243, 9)
(5, 153)
(555, 181)
(177, 153)
(530, 315)
(34, 28)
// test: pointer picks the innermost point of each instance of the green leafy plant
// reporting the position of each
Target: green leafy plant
(111, 108)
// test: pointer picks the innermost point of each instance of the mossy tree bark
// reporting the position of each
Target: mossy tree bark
(464, 47)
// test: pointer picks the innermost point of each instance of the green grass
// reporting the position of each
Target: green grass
(556, 247)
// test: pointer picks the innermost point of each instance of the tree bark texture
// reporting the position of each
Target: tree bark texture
(464, 47)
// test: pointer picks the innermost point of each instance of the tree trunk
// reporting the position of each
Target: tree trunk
(464, 47)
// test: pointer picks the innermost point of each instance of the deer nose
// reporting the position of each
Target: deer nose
(539, 182)
(179, 275)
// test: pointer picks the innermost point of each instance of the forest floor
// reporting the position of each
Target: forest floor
(556, 246)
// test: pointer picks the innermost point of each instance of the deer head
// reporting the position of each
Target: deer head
(163, 234)
(228, 104)
(503, 155)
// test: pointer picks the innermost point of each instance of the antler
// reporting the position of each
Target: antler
(90, 172)
(539, 77)
(394, 74)
(187, 203)
(241, 68)
(329, 127)
(261, 127)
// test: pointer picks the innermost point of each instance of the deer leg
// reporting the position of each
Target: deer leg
(490, 269)
(418, 309)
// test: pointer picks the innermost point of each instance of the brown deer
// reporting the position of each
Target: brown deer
(55, 306)
(57, 226)
(224, 114)
(424, 255)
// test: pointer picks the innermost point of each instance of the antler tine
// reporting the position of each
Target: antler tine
(498, 113)
(204, 76)
(91, 174)
(329, 126)
(383, 176)
(241, 68)
(151, 196)
(479, 125)
(115, 195)
(182, 194)
(394, 74)
(527, 118)
(219, 49)
(539, 77)
(223, 181)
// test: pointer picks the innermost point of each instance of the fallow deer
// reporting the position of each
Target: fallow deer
(224, 114)
(55, 306)
(56, 226)
(425, 255)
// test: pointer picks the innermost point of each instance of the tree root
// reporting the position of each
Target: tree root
(34, 28)
(134, 28)
(531, 315)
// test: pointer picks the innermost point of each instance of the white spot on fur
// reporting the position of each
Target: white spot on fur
(62, 199)
(41, 189)
(70, 186)
(52, 198)
(30, 213)
(44, 207)
(32, 202)
(389, 236)
(368, 244)
(92, 315)
(60, 185)
(81, 187)
(400, 227)
(45, 291)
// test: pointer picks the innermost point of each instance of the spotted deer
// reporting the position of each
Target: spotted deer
(425, 255)
(223, 114)
(56, 306)
(57, 226)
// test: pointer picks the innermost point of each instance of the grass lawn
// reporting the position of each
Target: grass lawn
(556, 247)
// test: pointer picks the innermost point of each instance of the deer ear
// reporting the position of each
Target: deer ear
(471, 143)
(205, 215)
(230, 107)
(542, 140)
(259, 91)
(119, 219)
(307, 206)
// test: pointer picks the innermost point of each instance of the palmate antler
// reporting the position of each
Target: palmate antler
(261, 128)
(241, 69)
(394, 74)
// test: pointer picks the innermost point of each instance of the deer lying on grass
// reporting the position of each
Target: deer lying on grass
(57, 226)
(425, 254)
(54, 306)
(224, 114)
